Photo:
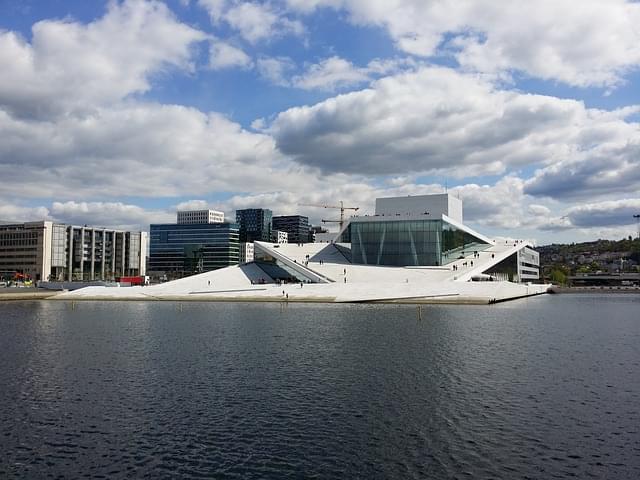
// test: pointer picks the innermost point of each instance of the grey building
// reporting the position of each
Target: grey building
(296, 226)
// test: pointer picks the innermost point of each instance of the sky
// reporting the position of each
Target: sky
(118, 113)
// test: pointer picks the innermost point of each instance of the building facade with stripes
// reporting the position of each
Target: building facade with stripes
(178, 250)
(46, 250)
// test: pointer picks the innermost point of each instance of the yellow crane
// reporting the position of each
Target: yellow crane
(340, 207)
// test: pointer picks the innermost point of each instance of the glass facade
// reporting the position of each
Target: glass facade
(506, 270)
(254, 224)
(280, 271)
(193, 248)
(296, 226)
(408, 242)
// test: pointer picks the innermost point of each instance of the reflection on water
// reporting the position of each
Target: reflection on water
(547, 387)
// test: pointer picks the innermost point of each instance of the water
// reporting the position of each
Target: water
(547, 387)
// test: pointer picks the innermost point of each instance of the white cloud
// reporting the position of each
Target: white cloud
(17, 213)
(500, 205)
(215, 8)
(105, 214)
(136, 149)
(275, 69)
(194, 205)
(254, 21)
(108, 214)
(117, 145)
(329, 74)
(439, 121)
(224, 55)
(335, 72)
(70, 67)
(611, 165)
(593, 43)
(605, 214)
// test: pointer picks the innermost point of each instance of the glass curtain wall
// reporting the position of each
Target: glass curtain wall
(409, 242)
(279, 271)
(186, 249)
(457, 243)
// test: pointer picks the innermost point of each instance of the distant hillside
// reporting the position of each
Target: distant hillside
(557, 261)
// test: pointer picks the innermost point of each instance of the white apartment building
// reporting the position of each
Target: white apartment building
(278, 236)
(186, 217)
(246, 252)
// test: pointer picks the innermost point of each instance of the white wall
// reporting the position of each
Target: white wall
(433, 205)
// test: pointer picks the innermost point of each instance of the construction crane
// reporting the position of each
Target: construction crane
(341, 207)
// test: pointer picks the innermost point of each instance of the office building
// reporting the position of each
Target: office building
(53, 251)
(178, 250)
(254, 224)
(296, 226)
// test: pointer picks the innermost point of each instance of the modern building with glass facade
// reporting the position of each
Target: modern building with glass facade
(412, 250)
(254, 224)
(180, 250)
(296, 226)
(409, 241)
(53, 251)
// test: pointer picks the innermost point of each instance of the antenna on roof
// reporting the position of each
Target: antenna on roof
(446, 188)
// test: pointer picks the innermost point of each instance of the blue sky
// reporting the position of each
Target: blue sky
(117, 113)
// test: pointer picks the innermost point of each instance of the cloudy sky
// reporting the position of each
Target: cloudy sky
(117, 113)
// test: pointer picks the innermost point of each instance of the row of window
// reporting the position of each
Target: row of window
(10, 243)
(18, 255)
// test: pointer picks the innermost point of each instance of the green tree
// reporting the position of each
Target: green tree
(558, 276)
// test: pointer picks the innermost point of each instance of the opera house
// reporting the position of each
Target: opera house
(414, 249)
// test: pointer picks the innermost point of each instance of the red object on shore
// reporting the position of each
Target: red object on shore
(136, 280)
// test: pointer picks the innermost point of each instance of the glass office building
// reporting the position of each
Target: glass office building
(296, 226)
(180, 250)
(408, 242)
(254, 224)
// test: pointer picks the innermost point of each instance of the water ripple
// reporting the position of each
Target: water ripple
(142, 390)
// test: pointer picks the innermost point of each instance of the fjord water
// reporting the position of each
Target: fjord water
(546, 387)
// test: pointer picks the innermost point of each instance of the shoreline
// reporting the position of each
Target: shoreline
(39, 294)
(25, 294)
(607, 290)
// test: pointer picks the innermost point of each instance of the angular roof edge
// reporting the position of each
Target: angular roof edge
(467, 229)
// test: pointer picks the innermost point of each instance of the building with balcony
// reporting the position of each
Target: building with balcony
(53, 251)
